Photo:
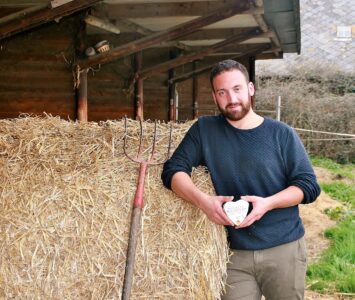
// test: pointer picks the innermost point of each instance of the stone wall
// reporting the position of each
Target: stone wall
(320, 44)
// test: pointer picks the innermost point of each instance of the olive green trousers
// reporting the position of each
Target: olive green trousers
(277, 273)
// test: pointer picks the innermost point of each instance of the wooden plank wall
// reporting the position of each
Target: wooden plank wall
(110, 86)
(35, 74)
(156, 91)
(110, 91)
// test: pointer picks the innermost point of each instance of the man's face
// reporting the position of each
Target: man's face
(232, 94)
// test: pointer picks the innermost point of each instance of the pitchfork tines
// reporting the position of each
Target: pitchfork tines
(139, 157)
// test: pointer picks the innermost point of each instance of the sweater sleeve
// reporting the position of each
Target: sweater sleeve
(299, 170)
(186, 156)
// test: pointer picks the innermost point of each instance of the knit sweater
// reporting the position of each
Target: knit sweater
(261, 161)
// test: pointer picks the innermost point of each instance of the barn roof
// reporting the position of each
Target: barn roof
(264, 29)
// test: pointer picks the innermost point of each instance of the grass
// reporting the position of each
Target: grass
(340, 191)
(335, 271)
(346, 170)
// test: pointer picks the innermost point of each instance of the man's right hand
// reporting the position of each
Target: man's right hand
(183, 186)
(212, 207)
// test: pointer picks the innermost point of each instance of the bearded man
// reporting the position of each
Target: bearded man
(263, 162)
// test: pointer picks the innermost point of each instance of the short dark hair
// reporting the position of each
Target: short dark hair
(228, 65)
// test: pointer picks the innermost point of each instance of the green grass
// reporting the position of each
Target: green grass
(340, 191)
(335, 271)
(346, 170)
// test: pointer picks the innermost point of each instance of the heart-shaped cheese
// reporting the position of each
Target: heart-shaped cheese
(236, 211)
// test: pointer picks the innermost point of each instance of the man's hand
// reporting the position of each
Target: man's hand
(260, 207)
(212, 207)
(183, 186)
(288, 197)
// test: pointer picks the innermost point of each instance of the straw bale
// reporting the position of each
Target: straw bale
(66, 193)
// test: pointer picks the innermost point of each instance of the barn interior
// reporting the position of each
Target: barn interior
(98, 60)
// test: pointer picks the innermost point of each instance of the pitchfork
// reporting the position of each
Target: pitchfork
(138, 203)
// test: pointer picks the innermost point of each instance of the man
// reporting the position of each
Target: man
(263, 162)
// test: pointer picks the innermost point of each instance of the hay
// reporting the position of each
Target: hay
(66, 192)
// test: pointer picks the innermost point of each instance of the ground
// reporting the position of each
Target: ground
(316, 222)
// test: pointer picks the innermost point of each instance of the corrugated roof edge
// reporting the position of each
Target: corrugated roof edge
(296, 12)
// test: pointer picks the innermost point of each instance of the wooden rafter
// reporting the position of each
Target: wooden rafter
(145, 31)
(43, 15)
(199, 54)
(133, 26)
(169, 34)
(251, 52)
(102, 24)
(234, 49)
(22, 13)
(220, 33)
(143, 10)
(207, 34)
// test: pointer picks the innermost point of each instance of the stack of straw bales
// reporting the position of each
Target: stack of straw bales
(66, 192)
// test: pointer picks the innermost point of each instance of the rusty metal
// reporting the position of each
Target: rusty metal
(138, 201)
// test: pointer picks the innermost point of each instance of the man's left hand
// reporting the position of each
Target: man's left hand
(260, 207)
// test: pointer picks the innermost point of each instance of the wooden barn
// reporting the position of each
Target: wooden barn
(99, 60)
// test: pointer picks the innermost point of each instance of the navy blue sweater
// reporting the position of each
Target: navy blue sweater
(261, 161)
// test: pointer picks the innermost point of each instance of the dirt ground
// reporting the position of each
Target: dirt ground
(316, 222)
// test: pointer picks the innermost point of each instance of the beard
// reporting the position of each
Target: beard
(236, 115)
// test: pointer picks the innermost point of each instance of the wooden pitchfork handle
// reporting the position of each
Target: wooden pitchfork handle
(134, 232)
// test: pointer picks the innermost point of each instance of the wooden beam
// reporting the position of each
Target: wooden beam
(56, 3)
(144, 10)
(133, 26)
(145, 31)
(188, 75)
(198, 55)
(102, 24)
(220, 33)
(129, 29)
(22, 13)
(41, 16)
(22, 3)
(233, 49)
(169, 34)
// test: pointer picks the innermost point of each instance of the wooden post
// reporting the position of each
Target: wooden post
(138, 87)
(195, 91)
(82, 103)
(252, 76)
(82, 88)
(172, 89)
(278, 108)
(172, 102)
